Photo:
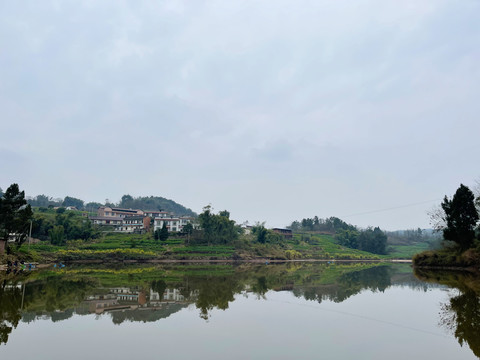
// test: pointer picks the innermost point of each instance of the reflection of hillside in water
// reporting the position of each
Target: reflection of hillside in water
(151, 295)
(461, 314)
(376, 279)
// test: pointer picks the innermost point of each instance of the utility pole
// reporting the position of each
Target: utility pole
(30, 235)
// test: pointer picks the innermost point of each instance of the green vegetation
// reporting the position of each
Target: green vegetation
(15, 217)
(460, 315)
(404, 244)
(120, 247)
(127, 201)
(461, 248)
(370, 240)
(407, 251)
(215, 228)
(461, 217)
(154, 203)
(59, 226)
(68, 235)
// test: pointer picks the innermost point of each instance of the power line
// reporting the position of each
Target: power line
(407, 327)
(392, 208)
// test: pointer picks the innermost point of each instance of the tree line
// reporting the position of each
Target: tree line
(331, 224)
(127, 202)
(59, 225)
(373, 240)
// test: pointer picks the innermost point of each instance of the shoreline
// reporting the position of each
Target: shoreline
(4, 267)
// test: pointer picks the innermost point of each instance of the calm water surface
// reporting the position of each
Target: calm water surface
(281, 311)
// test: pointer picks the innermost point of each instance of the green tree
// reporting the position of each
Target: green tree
(15, 216)
(163, 235)
(260, 232)
(126, 201)
(348, 238)
(57, 235)
(217, 229)
(371, 240)
(159, 286)
(92, 206)
(71, 201)
(461, 216)
(188, 230)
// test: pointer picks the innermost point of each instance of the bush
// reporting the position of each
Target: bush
(447, 258)
(293, 254)
(116, 254)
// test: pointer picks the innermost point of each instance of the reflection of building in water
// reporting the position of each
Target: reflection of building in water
(126, 294)
(134, 298)
(168, 295)
(98, 303)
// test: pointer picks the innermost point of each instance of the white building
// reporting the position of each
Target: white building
(172, 223)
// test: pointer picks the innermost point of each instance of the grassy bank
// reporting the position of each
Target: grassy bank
(122, 247)
(448, 258)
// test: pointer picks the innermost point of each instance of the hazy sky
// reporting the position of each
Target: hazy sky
(274, 110)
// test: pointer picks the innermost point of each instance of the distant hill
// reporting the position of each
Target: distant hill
(155, 203)
(127, 202)
(412, 236)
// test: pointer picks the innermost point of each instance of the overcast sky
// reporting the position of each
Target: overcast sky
(274, 110)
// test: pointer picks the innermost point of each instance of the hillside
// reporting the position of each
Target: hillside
(118, 247)
(155, 203)
(127, 201)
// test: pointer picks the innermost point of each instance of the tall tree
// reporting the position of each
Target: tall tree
(71, 201)
(15, 216)
(219, 228)
(163, 235)
(461, 216)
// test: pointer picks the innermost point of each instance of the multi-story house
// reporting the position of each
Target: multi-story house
(117, 212)
(135, 224)
(154, 214)
(106, 220)
(172, 223)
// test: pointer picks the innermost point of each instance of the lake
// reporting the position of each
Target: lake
(243, 311)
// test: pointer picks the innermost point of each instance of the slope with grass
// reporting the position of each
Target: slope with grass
(121, 247)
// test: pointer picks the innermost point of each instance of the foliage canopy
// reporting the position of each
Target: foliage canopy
(461, 217)
(15, 215)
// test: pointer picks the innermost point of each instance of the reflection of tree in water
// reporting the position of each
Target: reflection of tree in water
(347, 285)
(158, 286)
(260, 287)
(58, 295)
(55, 294)
(10, 302)
(214, 292)
(26, 301)
(462, 316)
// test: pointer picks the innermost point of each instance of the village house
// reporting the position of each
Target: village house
(106, 220)
(172, 223)
(117, 212)
(287, 233)
(156, 214)
(138, 221)
(135, 224)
